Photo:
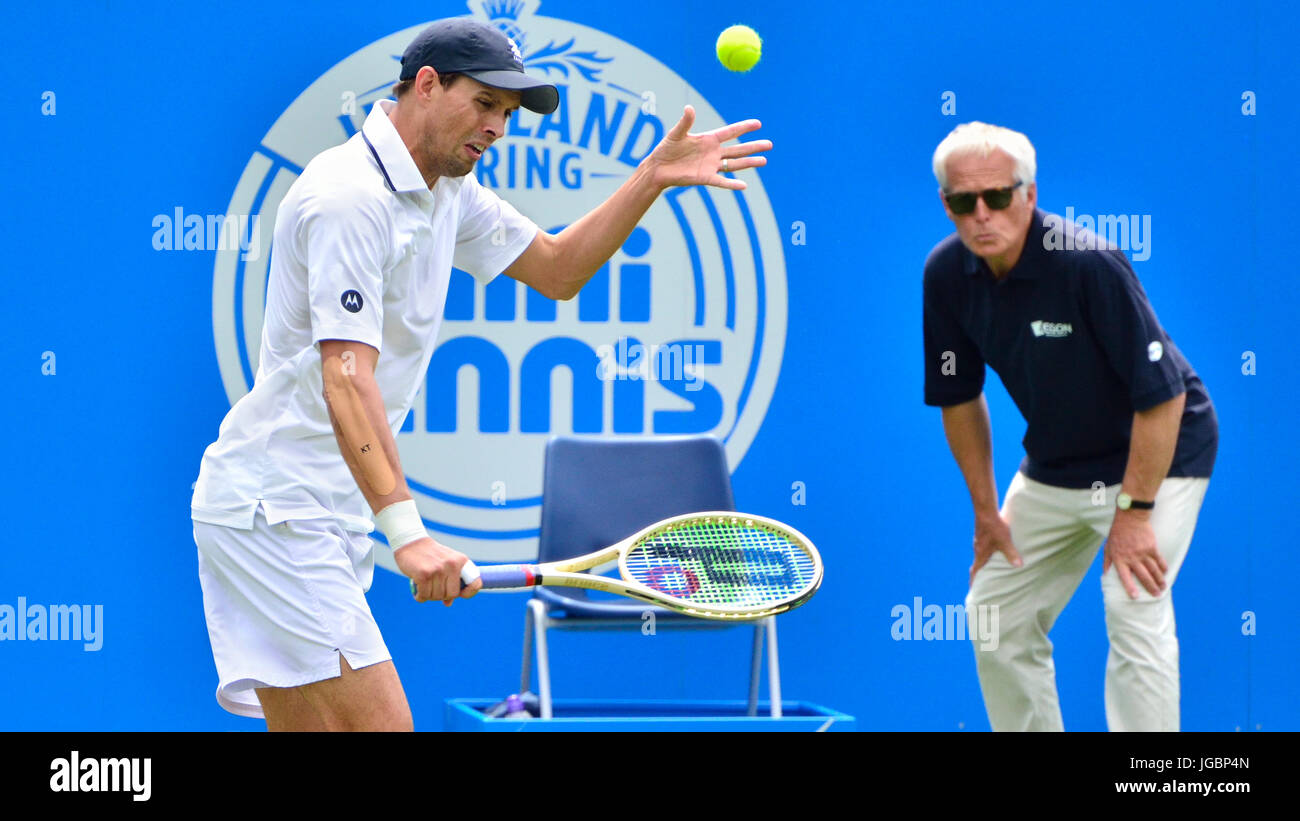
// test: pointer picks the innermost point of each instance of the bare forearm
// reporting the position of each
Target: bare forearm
(581, 249)
(970, 438)
(372, 403)
(1151, 447)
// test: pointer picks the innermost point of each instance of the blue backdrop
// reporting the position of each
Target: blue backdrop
(1178, 111)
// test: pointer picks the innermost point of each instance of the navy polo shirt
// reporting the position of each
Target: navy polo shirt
(1077, 345)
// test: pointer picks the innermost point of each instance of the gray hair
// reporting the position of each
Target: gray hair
(984, 139)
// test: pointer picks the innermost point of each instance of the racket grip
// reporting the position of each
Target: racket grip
(506, 576)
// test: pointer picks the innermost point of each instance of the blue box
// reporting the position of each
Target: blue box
(465, 715)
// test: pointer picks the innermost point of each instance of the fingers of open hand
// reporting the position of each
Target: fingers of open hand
(734, 130)
(739, 157)
(719, 181)
(731, 166)
(732, 153)
(684, 124)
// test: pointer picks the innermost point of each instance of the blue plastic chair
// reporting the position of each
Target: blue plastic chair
(596, 492)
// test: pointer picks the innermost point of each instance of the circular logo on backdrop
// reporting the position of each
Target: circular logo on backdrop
(681, 332)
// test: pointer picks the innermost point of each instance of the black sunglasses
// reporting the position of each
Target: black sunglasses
(995, 198)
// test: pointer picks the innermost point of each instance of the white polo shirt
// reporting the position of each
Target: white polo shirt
(363, 251)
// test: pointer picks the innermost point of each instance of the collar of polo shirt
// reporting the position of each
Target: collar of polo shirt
(395, 162)
(1027, 266)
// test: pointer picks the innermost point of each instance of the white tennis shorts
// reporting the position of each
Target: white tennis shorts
(283, 601)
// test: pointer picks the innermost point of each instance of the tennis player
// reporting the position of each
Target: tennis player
(1120, 443)
(365, 240)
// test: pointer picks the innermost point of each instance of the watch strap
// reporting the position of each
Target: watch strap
(1127, 502)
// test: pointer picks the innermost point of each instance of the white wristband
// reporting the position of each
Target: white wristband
(400, 523)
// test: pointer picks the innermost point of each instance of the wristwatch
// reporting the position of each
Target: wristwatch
(1124, 501)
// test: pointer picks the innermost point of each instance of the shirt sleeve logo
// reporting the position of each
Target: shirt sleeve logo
(352, 301)
(1155, 350)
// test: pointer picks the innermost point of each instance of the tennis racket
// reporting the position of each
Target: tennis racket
(716, 565)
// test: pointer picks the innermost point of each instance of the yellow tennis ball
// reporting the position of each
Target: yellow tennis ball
(739, 48)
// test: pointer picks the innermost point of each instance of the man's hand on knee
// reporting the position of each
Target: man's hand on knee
(1131, 547)
(992, 535)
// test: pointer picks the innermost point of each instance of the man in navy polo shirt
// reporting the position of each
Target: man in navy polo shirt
(1120, 443)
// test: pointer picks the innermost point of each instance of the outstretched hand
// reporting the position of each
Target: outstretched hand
(682, 158)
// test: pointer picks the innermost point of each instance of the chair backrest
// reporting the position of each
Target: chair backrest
(596, 492)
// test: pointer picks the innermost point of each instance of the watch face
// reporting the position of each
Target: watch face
(1123, 501)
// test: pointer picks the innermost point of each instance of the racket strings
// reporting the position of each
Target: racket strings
(723, 564)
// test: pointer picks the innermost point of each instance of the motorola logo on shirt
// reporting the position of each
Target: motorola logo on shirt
(352, 301)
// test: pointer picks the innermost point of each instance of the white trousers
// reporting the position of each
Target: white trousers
(1057, 532)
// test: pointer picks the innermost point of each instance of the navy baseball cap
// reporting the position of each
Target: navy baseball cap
(461, 45)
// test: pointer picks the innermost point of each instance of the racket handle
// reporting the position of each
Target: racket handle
(497, 576)
(507, 576)
(468, 573)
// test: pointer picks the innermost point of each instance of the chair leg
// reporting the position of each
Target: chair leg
(540, 625)
(526, 668)
(773, 668)
(755, 669)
